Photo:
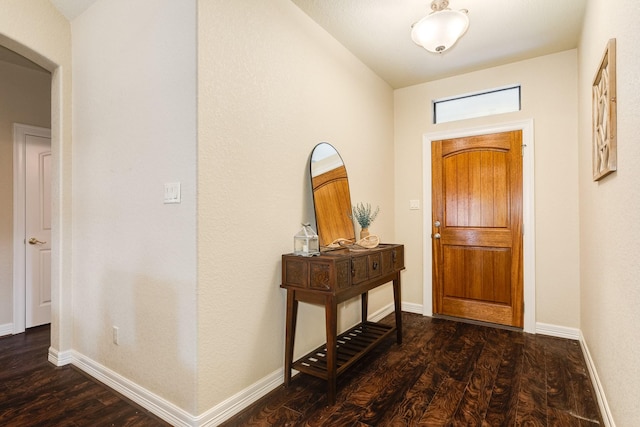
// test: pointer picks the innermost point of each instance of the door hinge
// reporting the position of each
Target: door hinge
(523, 147)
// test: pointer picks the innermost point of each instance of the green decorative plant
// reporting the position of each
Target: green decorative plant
(362, 213)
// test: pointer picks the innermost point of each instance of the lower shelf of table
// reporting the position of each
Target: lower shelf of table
(351, 346)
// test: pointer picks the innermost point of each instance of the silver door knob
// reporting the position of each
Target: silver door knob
(34, 241)
(436, 236)
(436, 224)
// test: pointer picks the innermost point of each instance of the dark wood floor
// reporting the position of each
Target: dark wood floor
(445, 373)
(35, 393)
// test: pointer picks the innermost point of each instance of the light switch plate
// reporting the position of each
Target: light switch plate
(414, 204)
(172, 192)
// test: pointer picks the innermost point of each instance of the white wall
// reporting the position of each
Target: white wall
(272, 84)
(25, 97)
(549, 97)
(134, 258)
(609, 226)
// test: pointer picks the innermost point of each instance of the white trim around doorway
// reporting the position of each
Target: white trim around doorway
(528, 212)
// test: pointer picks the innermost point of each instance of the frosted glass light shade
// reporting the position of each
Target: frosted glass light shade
(440, 30)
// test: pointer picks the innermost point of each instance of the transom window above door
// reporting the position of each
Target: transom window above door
(478, 104)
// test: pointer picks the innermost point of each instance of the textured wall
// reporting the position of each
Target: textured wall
(134, 258)
(549, 97)
(272, 84)
(609, 227)
(25, 97)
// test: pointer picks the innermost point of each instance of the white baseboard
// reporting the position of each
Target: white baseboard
(576, 334)
(410, 307)
(380, 314)
(558, 331)
(605, 411)
(61, 358)
(241, 400)
(143, 397)
(388, 309)
(6, 329)
(161, 407)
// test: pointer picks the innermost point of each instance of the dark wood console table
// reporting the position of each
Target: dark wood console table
(330, 279)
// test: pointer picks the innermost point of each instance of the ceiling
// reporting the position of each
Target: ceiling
(500, 32)
(377, 32)
(72, 8)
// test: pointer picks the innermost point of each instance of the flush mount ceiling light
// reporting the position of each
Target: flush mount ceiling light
(441, 29)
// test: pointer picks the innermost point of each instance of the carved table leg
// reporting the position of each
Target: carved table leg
(292, 315)
(331, 314)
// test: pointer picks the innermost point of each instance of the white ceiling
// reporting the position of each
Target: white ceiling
(377, 32)
(500, 32)
(72, 8)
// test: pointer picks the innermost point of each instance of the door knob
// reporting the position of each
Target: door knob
(436, 224)
(436, 236)
(34, 241)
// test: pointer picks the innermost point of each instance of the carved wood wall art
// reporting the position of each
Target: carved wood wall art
(604, 114)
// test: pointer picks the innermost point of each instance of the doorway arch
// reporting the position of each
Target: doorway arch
(39, 33)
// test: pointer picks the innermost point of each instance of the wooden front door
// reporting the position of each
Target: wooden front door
(477, 228)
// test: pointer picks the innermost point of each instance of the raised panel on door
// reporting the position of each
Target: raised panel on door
(480, 274)
(43, 294)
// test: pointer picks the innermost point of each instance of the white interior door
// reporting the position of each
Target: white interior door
(37, 230)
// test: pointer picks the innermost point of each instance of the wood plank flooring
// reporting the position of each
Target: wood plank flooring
(33, 392)
(445, 373)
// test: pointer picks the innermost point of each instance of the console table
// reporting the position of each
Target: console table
(329, 279)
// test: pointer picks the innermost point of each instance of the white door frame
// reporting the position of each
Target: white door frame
(528, 212)
(19, 226)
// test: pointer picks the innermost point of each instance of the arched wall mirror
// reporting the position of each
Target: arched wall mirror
(331, 197)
